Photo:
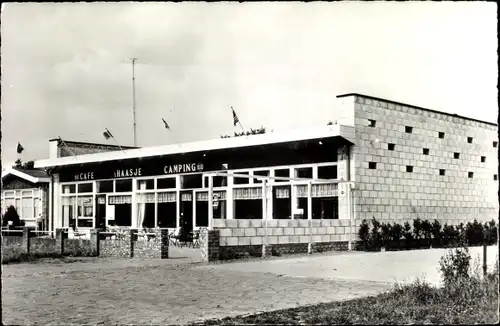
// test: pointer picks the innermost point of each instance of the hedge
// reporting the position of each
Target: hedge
(424, 234)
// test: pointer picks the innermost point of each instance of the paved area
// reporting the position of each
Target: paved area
(388, 267)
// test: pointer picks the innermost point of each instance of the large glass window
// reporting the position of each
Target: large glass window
(85, 212)
(167, 209)
(85, 187)
(148, 184)
(123, 185)
(68, 211)
(327, 172)
(262, 173)
(282, 202)
(166, 183)
(304, 172)
(241, 181)
(105, 186)
(325, 208)
(68, 189)
(27, 210)
(191, 181)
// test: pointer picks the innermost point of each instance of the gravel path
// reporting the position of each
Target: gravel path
(165, 292)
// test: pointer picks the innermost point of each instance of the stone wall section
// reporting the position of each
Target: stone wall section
(390, 192)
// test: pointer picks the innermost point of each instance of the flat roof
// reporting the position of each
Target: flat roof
(94, 144)
(415, 107)
(207, 145)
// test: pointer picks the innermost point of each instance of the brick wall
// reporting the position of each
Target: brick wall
(46, 246)
(390, 192)
(79, 247)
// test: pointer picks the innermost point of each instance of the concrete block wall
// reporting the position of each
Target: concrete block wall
(389, 192)
(253, 232)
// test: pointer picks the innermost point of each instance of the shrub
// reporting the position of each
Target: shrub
(375, 236)
(11, 216)
(436, 233)
(396, 232)
(474, 233)
(491, 232)
(417, 228)
(363, 233)
(454, 265)
(385, 233)
(449, 235)
(427, 232)
(408, 234)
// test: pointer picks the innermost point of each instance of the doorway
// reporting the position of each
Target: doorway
(186, 210)
(100, 214)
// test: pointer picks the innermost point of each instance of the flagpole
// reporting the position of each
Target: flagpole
(114, 139)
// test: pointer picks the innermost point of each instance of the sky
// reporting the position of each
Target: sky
(66, 69)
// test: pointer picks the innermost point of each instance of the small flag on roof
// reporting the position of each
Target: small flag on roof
(166, 124)
(107, 134)
(20, 148)
(235, 117)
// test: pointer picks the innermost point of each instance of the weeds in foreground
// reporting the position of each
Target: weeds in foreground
(467, 297)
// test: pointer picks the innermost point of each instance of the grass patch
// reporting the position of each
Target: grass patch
(466, 299)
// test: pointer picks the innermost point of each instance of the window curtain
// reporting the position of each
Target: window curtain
(187, 196)
(203, 196)
(141, 204)
(120, 199)
(247, 193)
(318, 190)
(167, 197)
(282, 192)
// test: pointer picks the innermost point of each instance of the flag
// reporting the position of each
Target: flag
(166, 124)
(107, 134)
(20, 148)
(235, 118)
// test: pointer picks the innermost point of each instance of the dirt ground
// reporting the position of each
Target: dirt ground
(173, 291)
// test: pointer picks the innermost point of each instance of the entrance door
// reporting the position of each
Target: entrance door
(100, 214)
(186, 218)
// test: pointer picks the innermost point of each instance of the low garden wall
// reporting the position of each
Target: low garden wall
(124, 244)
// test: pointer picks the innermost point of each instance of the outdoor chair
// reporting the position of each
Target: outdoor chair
(196, 239)
(174, 238)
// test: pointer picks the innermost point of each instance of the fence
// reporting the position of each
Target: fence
(124, 244)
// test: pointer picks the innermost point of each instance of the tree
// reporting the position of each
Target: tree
(261, 130)
(11, 215)
(18, 164)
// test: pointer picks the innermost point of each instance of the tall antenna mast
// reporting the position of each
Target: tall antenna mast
(133, 97)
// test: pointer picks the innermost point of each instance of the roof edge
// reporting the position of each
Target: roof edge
(24, 176)
(416, 107)
(88, 143)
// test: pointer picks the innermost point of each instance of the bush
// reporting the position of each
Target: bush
(491, 232)
(474, 233)
(454, 265)
(364, 233)
(395, 234)
(385, 234)
(375, 236)
(408, 234)
(417, 229)
(450, 235)
(436, 234)
(11, 216)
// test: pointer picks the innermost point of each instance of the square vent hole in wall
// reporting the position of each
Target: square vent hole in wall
(391, 147)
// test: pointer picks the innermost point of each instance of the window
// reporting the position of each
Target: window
(105, 186)
(264, 173)
(442, 172)
(456, 155)
(327, 172)
(372, 165)
(220, 181)
(85, 187)
(190, 181)
(408, 129)
(391, 146)
(36, 208)
(469, 140)
(371, 123)
(241, 181)
(495, 177)
(483, 159)
(123, 185)
(495, 144)
(426, 151)
(205, 181)
(68, 189)
(304, 172)
(409, 168)
(165, 183)
(471, 174)
(441, 135)
(145, 184)
(284, 173)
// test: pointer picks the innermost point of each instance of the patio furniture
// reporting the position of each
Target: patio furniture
(196, 239)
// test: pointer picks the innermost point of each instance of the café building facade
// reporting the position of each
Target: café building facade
(157, 186)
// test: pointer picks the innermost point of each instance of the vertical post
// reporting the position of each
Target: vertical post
(210, 202)
(349, 206)
(309, 215)
(133, 97)
(264, 216)
(485, 250)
